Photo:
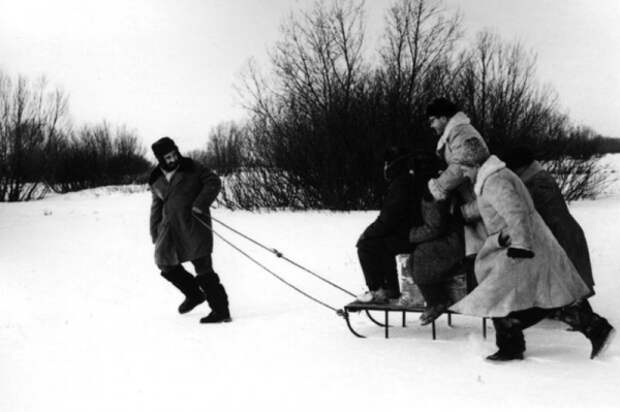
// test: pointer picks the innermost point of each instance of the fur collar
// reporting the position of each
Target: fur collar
(531, 170)
(185, 165)
(458, 119)
(490, 166)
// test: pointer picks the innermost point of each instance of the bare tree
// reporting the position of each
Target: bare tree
(32, 122)
(420, 36)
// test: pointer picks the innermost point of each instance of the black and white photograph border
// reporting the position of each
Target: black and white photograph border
(226, 205)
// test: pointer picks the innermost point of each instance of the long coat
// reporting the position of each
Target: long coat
(177, 235)
(505, 284)
(460, 145)
(438, 244)
(551, 206)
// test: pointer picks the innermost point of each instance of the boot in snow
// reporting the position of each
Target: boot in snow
(600, 334)
(186, 283)
(504, 356)
(216, 317)
(190, 303)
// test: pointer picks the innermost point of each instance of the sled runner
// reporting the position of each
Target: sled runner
(355, 307)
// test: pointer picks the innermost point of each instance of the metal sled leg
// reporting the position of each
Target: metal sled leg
(346, 318)
(376, 322)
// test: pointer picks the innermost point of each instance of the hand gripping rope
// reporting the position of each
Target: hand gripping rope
(279, 254)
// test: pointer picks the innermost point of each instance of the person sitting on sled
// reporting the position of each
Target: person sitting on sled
(437, 241)
(388, 235)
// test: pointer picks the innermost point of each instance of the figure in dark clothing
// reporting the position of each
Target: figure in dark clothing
(437, 241)
(387, 236)
(551, 206)
(181, 189)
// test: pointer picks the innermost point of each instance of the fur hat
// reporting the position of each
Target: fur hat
(163, 146)
(441, 107)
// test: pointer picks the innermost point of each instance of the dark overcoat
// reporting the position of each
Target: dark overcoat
(178, 236)
(397, 214)
(438, 244)
(551, 206)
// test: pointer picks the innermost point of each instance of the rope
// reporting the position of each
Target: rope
(281, 255)
(338, 312)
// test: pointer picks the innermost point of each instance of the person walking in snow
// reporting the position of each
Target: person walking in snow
(550, 204)
(522, 271)
(182, 188)
(387, 235)
(459, 144)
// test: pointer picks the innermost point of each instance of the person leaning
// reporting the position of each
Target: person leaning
(522, 271)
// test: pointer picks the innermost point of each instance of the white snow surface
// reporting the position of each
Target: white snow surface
(88, 324)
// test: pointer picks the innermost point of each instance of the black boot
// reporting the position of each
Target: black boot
(437, 302)
(216, 317)
(187, 284)
(190, 303)
(600, 333)
(216, 297)
(509, 340)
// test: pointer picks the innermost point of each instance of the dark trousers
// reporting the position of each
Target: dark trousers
(206, 284)
(509, 329)
(377, 259)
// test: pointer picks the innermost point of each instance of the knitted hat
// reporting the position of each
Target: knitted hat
(163, 146)
(441, 107)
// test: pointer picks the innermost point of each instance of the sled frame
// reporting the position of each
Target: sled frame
(355, 307)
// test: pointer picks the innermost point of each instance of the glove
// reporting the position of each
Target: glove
(517, 253)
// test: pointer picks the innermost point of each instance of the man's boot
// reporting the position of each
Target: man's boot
(186, 283)
(600, 333)
(509, 340)
(216, 298)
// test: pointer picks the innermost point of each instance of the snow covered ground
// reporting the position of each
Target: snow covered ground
(87, 323)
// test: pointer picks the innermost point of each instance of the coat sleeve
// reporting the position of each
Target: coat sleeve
(447, 181)
(548, 200)
(435, 222)
(507, 198)
(211, 186)
(470, 211)
(467, 149)
(156, 214)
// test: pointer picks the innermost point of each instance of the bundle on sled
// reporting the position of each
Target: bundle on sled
(412, 299)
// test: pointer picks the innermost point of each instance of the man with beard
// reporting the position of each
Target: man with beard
(182, 188)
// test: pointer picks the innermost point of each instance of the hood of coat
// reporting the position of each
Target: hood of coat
(458, 119)
(490, 166)
(185, 165)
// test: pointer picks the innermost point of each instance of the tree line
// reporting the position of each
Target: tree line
(41, 151)
(321, 115)
(326, 108)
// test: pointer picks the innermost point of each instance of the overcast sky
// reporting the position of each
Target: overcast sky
(168, 67)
